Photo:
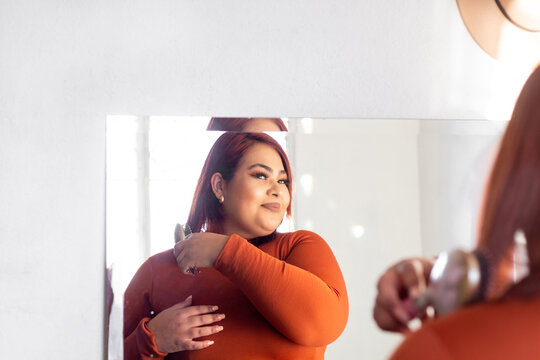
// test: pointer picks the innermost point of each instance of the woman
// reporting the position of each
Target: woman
(280, 296)
(508, 325)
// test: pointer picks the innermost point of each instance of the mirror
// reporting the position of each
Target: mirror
(376, 190)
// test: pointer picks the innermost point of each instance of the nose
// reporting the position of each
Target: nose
(274, 189)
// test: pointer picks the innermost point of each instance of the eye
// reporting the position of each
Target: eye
(260, 175)
(284, 181)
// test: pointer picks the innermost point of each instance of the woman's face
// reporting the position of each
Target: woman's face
(257, 197)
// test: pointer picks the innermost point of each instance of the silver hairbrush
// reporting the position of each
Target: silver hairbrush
(455, 280)
(180, 232)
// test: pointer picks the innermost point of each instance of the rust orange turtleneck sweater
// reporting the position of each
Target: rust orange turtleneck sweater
(502, 329)
(285, 299)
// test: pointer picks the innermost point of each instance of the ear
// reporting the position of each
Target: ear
(218, 185)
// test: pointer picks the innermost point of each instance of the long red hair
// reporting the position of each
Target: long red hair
(206, 212)
(237, 124)
(512, 198)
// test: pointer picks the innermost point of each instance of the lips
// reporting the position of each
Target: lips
(275, 207)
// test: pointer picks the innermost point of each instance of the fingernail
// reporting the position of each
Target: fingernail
(221, 316)
(214, 308)
(189, 298)
(219, 328)
(402, 315)
(209, 342)
(409, 308)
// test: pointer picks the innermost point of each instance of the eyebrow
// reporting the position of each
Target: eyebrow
(267, 168)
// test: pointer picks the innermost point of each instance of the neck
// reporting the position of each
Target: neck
(229, 229)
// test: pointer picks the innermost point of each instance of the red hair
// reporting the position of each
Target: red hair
(206, 212)
(512, 198)
(238, 124)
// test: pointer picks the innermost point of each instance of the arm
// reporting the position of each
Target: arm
(139, 342)
(172, 330)
(303, 297)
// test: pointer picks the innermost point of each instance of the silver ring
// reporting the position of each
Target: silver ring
(193, 269)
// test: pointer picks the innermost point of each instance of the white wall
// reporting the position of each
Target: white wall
(65, 65)
(454, 162)
(364, 201)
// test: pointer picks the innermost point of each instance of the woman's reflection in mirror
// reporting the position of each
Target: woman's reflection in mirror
(260, 293)
(246, 124)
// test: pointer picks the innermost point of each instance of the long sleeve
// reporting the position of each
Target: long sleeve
(506, 328)
(426, 346)
(139, 342)
(303, 296)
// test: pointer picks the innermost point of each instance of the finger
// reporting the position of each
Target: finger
(183, 304)
(411, 276)
(184, 262)
(388, 289)
(180, 260)
(410, 307)
(199, 310)
(197, 345)
(394, 307)
(198, 332)
(420, 275)
(390, 285)
(178, 247)
(197, 320)
(386, 321)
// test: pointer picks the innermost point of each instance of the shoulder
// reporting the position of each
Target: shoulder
(296, 240)
(160, 260)
(422, 344)
(479, 318)
(477, 331)
(300, 235)
(435, 339)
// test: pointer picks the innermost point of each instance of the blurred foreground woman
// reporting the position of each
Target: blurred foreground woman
(507, 324)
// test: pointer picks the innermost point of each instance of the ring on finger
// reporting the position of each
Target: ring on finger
(193, 269)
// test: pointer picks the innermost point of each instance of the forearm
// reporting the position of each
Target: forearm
(141, 345)
(299, 304)
(139, 341)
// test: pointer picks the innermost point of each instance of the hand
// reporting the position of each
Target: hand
(397, 289)
(176, 327)
(199, 250)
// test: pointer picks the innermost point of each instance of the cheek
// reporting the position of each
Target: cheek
(250, 201)
(248, 197)
(286, 198)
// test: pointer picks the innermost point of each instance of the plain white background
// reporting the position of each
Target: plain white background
(66, 65)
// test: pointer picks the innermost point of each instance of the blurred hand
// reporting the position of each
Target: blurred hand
(199, 250)
(176, 327)
(397, 290)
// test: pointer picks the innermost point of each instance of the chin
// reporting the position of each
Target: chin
(265, 231)
(270, 230)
